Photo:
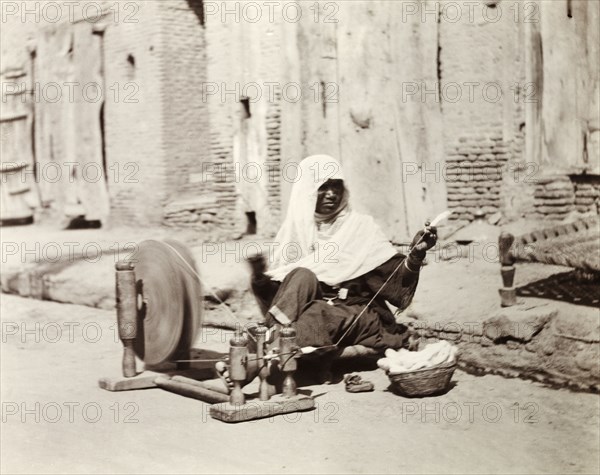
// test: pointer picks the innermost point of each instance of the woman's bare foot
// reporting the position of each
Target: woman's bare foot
(223, 372)
(254, 365)
(252, 370)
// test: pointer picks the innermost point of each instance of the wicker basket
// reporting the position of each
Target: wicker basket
(423, 382)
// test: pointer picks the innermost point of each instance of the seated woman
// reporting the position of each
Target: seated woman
(329, 261)
(341, 260)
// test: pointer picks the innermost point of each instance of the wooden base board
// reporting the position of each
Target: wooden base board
(145, 380)
(190, 388)
(256, 409)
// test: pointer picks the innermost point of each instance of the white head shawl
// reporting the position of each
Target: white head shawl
(351, 247)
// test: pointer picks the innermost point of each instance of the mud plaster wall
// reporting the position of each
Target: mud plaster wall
(152, 68)
(476, 53)
(353, 73)
(243, 63)
(157, 148)
(155, 140)
(567, 114)
(135, 158)
(569, 101)
(363, 61)
(543, 59)
(185, 116)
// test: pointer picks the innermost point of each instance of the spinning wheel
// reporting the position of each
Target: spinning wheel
(159, 313)
(168, 301)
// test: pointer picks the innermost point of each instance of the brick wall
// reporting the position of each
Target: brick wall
(171, 148)
(130, 64)
(218, 181)
(241, 58)
(270, 69)
(554, 197)
(155, 123)
(362, 65)
(479, 125)
(519, 174)
(163, 137)
(474, 169)
(273, 164)
(558, 196)
(184, 119)
(132, 118)
(587, 194)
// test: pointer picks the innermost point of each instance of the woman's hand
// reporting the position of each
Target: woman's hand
(258, 264)
(424, 240)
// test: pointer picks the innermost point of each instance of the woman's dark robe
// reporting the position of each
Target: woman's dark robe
(303, 301)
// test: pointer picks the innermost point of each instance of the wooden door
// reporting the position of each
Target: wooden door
(561, 53)
(68, 129)
(18, 194)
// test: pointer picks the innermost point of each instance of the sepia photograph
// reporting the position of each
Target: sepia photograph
(300, 237)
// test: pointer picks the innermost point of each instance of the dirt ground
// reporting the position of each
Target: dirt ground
(55, 418)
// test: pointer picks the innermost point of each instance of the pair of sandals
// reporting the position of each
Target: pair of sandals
(355, 384)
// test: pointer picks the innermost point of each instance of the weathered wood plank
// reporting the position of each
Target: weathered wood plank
(190, 388)
(143, 380)
(388, 136)
(85, 134)
(252, 410)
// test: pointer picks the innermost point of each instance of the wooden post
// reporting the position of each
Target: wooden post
(126, 294)
(263, 392)
(534, 74)
(288, 361)
(508, 294)
(238, 359)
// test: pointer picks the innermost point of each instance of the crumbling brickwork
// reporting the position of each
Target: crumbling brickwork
(554, 197)
(243, 98)
(161, 135)
(192, 97)
(558, 196)
(185, 117)
(473, 93)
(490, 164)
(474, 171)
(132, 118)
(271, 68)
(587, 194)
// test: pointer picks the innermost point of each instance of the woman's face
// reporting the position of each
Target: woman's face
(329, 196)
